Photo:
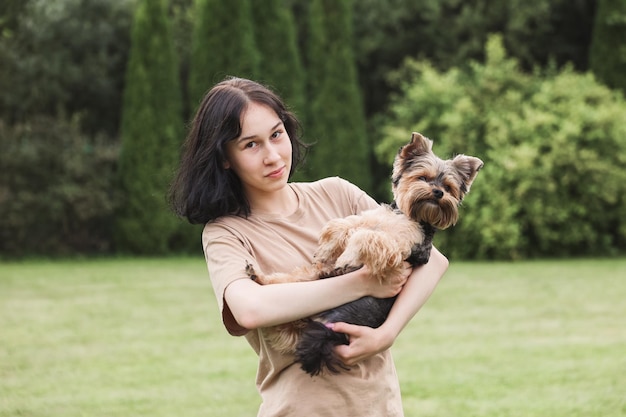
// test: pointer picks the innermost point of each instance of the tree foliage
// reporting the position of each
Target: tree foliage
(56, 190)
(336, 117)
(554, 148)
(451, 33)
(151, 133)
(607, 56)
(276, 40)
(65, 59)
(223, 44)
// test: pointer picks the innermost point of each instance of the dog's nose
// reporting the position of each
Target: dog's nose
(437, 193)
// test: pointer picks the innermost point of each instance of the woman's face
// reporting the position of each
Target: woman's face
(261, 155)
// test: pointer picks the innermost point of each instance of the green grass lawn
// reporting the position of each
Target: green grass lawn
(144, 338)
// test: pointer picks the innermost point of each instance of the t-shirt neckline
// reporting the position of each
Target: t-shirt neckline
(297, 214)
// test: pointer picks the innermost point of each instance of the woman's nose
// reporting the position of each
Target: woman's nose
(272, 155)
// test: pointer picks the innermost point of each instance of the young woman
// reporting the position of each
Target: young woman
(234, 177)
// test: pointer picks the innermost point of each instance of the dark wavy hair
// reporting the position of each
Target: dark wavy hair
(202, 189)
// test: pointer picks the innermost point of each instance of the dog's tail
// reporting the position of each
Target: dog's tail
(314, 351)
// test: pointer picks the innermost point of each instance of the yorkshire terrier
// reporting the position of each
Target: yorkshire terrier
(427, 191)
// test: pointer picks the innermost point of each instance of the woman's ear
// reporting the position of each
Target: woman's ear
(226, 165)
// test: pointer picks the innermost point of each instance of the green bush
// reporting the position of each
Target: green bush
(554, 146)
(55, 189)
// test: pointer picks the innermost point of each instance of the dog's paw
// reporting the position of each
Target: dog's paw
(336, 271)
(420, 254)
(251, 272)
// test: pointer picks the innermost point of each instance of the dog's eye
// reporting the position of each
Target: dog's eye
(422, 178)
(447, 188)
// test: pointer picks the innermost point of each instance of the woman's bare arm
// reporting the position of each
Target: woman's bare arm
(254, 305)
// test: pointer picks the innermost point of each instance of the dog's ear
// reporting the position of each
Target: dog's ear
(417, 147)
(467, 167)
(419, 144)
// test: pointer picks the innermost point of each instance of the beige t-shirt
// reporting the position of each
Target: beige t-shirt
(279, 244)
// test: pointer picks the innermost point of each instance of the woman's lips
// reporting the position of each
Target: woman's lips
(277, 174)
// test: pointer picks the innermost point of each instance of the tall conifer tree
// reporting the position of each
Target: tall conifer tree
(151, 131)
(280, 66)
(315, 48)
(222, 45)
(337, 116)
(607, 54)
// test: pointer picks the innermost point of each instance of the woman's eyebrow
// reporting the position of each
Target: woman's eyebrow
(254, 136)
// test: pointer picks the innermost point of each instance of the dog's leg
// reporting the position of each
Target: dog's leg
(377, 249)
(315, 349)
(285, 337)
(420, 252)
(333, 239)
(305, 273)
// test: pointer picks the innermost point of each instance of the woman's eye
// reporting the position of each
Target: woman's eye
(250, 145)
(276, 134)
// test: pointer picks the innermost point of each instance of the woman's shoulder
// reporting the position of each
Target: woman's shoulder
(225, 225)
(329, 185)
(335, 190)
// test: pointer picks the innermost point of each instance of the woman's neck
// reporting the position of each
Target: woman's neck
(282, 202)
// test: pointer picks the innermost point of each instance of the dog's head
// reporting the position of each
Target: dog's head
(427, 188)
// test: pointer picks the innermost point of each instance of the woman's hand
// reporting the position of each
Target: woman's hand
(392, 285)
(364, 342)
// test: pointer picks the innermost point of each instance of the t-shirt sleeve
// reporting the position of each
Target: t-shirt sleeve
(226, 255)
(358, 199)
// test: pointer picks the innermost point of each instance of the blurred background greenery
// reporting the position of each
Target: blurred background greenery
(95, 97)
